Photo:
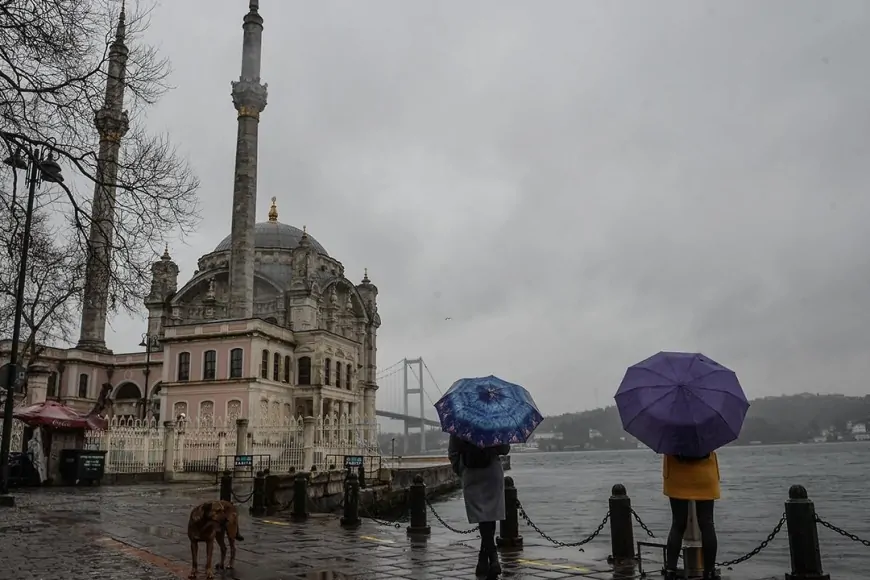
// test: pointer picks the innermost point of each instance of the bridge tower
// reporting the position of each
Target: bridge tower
(408, 391)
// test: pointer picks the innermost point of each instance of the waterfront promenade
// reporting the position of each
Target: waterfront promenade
(139, 533)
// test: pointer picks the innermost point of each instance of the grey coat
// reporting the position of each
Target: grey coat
(482, 488)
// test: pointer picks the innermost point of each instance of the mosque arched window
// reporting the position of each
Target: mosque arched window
(303, 376)
(264, 365)
(276, 367)
(327, 367)
(236, 363)
(287, 368)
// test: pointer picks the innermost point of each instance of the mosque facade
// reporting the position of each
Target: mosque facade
(269, 325)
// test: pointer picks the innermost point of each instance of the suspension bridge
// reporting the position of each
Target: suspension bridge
(407, 393)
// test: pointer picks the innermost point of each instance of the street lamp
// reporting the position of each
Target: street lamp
(149, 341)
(40, 166)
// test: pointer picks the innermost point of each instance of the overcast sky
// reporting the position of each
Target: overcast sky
(575, 185)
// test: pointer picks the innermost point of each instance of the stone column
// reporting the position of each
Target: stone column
(241, 442)
(308, 429)
(111, 123)
(168, 450)
(37, 383)
(241, 436)
(249, 99)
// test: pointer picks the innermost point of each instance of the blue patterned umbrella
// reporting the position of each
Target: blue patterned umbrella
(488, 411)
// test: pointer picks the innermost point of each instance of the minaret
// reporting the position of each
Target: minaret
(249, 98)
(111, 123)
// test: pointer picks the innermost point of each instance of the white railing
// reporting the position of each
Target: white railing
(338, 435)
(16, 444)
(137, 446)
(281, 439)
(131, 445)
(200, 444)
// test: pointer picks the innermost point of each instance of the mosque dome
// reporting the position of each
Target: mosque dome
(273, 234)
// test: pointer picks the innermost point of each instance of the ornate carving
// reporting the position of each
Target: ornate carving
(206, 412)
(179, 408)
(249, 97)
(234, 410)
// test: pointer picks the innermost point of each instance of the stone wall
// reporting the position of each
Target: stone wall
(384, 494)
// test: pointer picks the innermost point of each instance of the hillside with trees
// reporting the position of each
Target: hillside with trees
(784, 419)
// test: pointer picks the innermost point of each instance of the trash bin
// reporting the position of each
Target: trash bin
(82, 466)
(22, 473)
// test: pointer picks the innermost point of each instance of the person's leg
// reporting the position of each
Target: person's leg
(708, 535)
(487, 546)
(679, 519)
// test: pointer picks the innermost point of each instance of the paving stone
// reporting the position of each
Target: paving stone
(139, 533)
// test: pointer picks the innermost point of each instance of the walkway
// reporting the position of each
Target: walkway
(138, 533)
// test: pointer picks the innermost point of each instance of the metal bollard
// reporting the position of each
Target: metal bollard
(509, 528)
(621, 527)
(258, 497)
(300, 498)
(417, 508)
(350, 519)
(227, 486)
(270, 491)
(693, 555)
(803, 537)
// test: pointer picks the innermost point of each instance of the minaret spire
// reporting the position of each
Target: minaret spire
(111, 123)
(249, 99)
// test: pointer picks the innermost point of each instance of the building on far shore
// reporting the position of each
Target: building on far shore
(269, 325)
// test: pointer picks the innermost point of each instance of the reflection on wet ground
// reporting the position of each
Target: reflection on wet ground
(140, 533)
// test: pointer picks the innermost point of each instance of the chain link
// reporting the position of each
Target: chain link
(396, 523)
(557, 543)
(236, 497)
(641, 524)
(448, 526)
(741, 559)
(758, 549)
(841, 531)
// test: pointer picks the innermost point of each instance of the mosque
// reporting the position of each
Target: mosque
(269, 326)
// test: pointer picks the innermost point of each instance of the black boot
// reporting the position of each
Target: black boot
(482, 568)
(711, 575)
(494, 564)
(671, 575)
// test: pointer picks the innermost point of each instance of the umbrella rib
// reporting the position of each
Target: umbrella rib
(706, 404)
(644, 410)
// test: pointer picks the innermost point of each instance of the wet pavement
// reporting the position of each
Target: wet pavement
(139, 533)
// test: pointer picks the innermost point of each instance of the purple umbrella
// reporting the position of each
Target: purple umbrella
(680, 403)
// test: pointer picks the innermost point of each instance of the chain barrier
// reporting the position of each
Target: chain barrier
(758, 549)
(643, 526)
(728, 563)
(841, 531)
(557, 543)
(236, 497)
(397, 523)
(448, 526)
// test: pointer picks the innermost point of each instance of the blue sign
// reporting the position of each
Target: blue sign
(353, 460)
(244, 461)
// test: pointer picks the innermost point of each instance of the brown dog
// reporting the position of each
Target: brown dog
(208, 522)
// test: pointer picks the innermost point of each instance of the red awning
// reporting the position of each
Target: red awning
(53, 414)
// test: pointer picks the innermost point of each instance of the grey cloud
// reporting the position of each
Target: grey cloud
(577, 185)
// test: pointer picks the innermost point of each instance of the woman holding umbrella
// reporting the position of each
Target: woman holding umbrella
(684, 406)
(483, 417)
(482, 479)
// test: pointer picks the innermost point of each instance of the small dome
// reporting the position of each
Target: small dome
(273, 234)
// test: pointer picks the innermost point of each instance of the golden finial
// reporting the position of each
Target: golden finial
(273, 211)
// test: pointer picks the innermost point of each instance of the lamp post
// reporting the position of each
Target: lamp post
(39, 165)
(149, 341)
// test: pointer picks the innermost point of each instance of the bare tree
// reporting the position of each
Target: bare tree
(54, 282)
(54, 68)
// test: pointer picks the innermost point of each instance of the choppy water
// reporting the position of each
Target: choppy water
(566, 495)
